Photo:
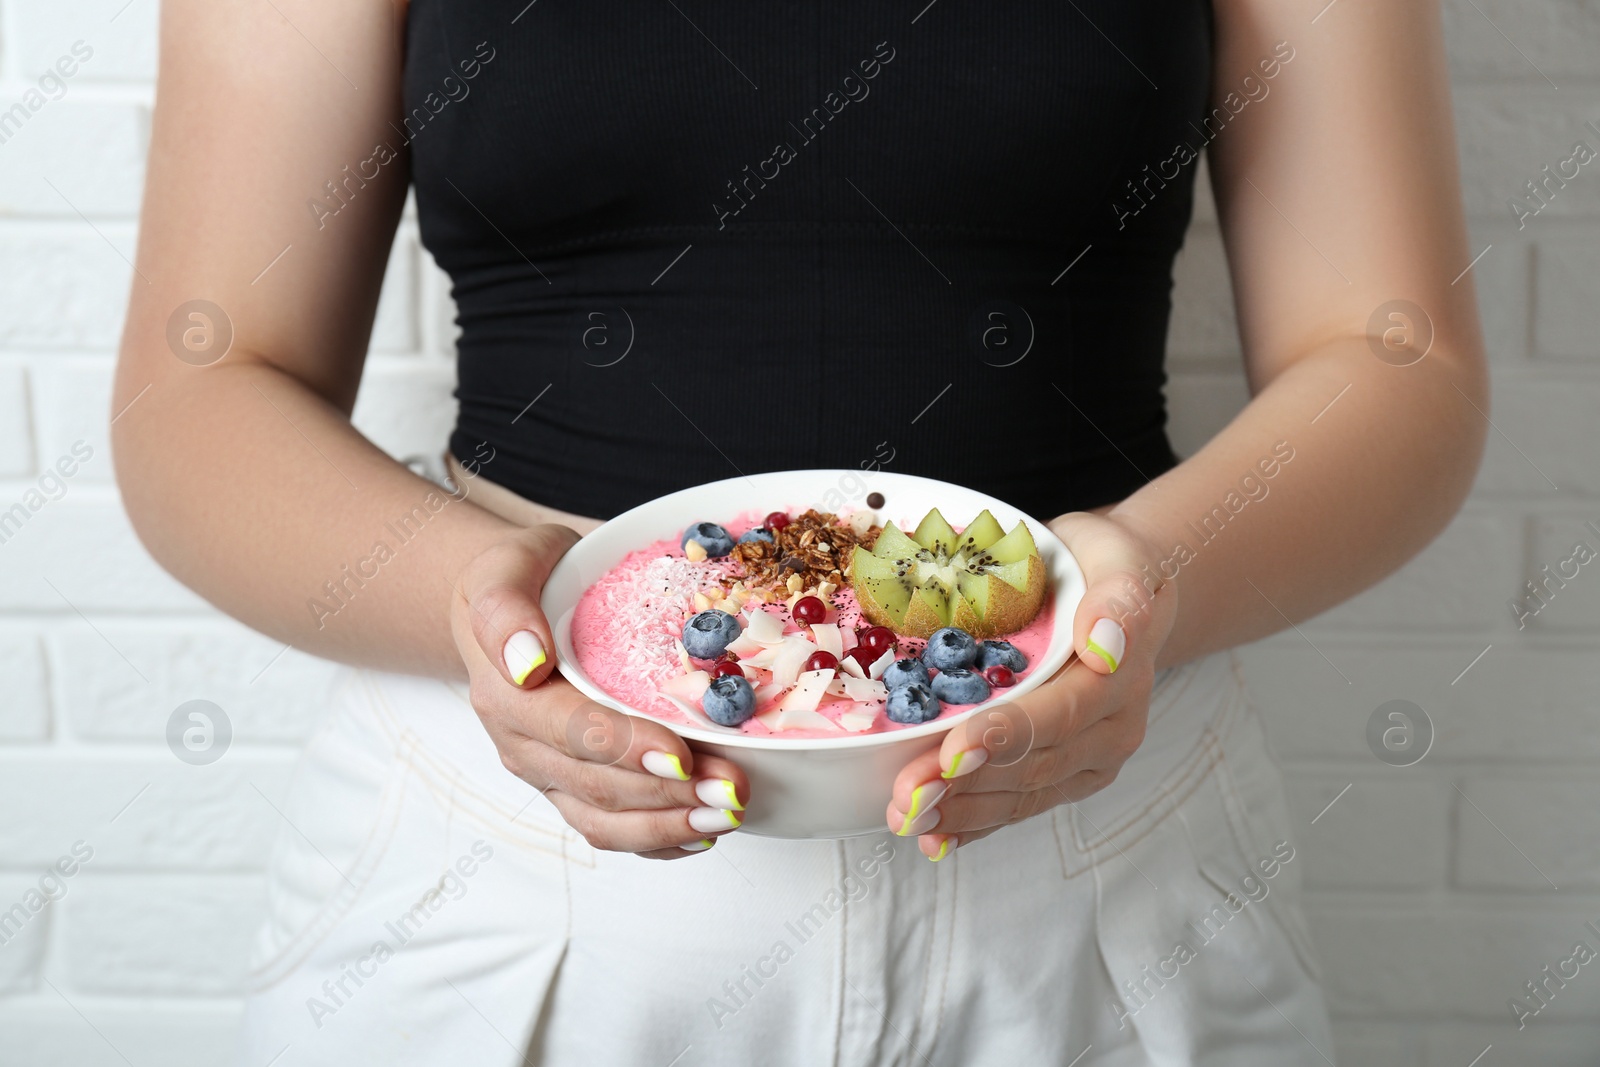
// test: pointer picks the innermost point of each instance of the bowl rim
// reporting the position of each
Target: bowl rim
(1065, 574)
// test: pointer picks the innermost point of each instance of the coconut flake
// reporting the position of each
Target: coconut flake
(801, 719)
(765, 628)
(691, 686)
(858, 721)
(880, 664)
(744, 645)
(864, 689)
(792, 655)
(698, 717)
(807, 691)
(852, 666)
(828, 639)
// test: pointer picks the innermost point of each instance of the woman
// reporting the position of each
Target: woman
(694, 240)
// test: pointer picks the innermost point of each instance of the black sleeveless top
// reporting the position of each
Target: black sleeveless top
(696, 238)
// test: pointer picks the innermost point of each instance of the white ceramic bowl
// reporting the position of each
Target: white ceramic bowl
(810, 787)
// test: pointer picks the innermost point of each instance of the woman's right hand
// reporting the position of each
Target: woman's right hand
(626, 783)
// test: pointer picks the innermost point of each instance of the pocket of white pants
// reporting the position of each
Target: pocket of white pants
(1258, 818)
(335, 823)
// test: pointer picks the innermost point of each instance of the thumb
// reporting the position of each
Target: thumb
(502, 588)
(1115, 616)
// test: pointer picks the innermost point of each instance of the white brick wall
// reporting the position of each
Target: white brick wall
(1430, 886)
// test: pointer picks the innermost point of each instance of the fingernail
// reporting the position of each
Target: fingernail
(944, 850)
(921, 824)
(523, 654)
(700, 845)
(965, 762)
(709, 820)
(1107, 641)
(926, 796)
(719, 793)
(664, 765)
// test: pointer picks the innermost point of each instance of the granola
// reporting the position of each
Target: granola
(815, 547)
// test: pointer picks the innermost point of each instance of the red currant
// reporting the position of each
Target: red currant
(822, 661)
(776, 521)
(726, 667)
(1000, 676)
(877, 640)
(809, 610)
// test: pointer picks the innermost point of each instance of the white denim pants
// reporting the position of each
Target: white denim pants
(425, 907)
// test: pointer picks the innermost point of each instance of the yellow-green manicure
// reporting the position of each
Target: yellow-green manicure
(944, 850)
(523, 654)
(1108, 641)
(1111, 663)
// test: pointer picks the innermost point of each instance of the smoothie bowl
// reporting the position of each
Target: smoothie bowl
(818, 641)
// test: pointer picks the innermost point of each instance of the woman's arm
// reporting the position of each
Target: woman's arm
(1338, 193)
(244, 478)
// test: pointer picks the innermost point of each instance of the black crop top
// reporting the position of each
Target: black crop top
(696, 238)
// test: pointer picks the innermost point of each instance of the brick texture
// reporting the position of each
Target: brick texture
(1435, 890)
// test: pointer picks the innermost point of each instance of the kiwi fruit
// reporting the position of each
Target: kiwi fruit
(983, 580)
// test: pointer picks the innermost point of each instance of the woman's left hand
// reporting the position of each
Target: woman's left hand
(1069, 737)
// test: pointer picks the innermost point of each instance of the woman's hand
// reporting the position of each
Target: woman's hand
(1068, 738)
(626, 784)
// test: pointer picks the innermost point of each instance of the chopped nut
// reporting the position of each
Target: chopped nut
(815, 546)
(694, 551)
(701, 602)
(862, 521)
(825, 590)
(794, 583)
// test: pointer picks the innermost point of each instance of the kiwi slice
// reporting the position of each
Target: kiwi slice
(984, 580)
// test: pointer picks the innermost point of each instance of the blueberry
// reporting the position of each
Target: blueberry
(709, 536)
(729, 700)
(950, 649)
(960, 686)
(708, 634)
(912, 704)
(1001, 654)
(905, 672)
(756, 534)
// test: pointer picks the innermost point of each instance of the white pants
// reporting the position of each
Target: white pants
(428, 908)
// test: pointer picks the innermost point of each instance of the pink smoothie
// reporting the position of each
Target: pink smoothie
(626, 628)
